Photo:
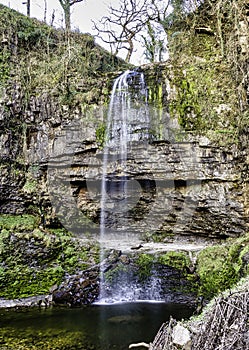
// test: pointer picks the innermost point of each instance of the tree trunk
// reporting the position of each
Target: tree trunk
(28, 8)
(45, 11)
(67, 15)
(130, 50)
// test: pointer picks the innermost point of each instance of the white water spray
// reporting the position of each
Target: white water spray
(119, 132)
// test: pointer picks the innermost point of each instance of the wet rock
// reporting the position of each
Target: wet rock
(79, 289)
(124, 259)
(192, 179)
(36, 301)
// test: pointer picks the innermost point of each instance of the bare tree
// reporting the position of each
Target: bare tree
(122, 26)
(66, 5)
(133, 18)
(28, 7)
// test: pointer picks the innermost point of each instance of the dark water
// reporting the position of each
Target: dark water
(105, 327)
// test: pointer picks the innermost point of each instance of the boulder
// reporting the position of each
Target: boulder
(181, 337)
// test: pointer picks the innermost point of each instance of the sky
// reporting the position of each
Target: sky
(81, 15)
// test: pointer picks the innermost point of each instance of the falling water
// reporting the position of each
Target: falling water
(123, 118)
(127, 113)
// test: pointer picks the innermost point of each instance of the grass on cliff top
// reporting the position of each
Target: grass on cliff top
(44, 59)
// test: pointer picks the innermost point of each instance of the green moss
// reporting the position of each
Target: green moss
(144, 263)
(23, 222)
(239, 254)
(155, 94)
(203, 66)
(178, 260)
(33, 260)
(30, 186)
(4, 66)
(216, 270)
(112, 274)
(202, 103)
(32, 339)
(21, 281)
(101, 136)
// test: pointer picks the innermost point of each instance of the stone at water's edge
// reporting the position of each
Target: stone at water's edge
(181, 337)
(76, 290)
(36, 301)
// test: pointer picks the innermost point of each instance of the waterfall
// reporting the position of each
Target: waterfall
(127, 122)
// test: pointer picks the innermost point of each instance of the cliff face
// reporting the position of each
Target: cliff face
(187, 174)
(183, 184)
(194, 158)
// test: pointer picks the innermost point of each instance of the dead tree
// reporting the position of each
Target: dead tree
(120, 28)
(66, 5)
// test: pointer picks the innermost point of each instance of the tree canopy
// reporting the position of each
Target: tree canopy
(148, 19)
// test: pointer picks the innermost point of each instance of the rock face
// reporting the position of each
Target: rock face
(51, 164)
(124, 278)
(77, 289)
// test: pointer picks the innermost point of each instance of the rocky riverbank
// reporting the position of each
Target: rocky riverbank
(226, 315)
(52, 267)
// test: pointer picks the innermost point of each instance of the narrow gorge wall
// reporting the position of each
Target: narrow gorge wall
(179, 183)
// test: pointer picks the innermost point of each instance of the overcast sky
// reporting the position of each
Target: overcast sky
(82, 14)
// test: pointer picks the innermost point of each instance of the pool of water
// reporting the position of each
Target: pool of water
(105, 327)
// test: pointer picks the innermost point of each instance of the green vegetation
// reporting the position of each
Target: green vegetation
(217, 268)
(101, 134)
(221, 267)
(203, 104)
(44, 59)
(178, 260)
(209, 70)
(4, 66)
(50, 339)
(18, 223)
(112, 274)
(20, 281)
(145, 263)
(33, 260)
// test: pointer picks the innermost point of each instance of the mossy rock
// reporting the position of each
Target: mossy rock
(145, 263)
(18, 223)
(178, 260)
(32, 260)
(21, 281)
(216, 270)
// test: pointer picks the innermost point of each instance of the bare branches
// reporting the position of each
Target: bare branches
(72, 2)
(121, 28)
(224, 326)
